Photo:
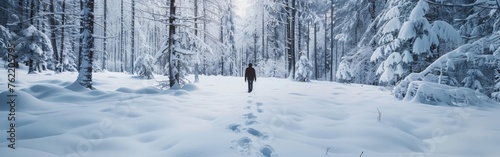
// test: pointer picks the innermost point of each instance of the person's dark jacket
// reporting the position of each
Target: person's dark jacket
(250, 74)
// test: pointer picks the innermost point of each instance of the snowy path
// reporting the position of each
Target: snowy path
(253, 140)
(127, 116)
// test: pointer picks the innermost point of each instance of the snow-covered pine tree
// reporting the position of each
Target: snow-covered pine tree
(34, 49)
(5, 38)
(344, 73)
(304, 69)
(414, 47)
(472, 78)
(469, 63)
(68, 61)
(144, 66)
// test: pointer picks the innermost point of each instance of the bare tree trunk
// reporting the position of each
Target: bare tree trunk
(331, 42)
(263, 36)
(104, 48)
(307, 38)
(85, 74)
(80, 39)
(63, 22)
(255, 47)
(294, 10)
(122, 55)
(53, 35)
(325, 49)
(171, 41)
(315, 51)
(132, 38)
(196, 64)
(204, 36)
(222, 41)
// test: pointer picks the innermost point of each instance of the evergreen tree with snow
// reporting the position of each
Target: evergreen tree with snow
(68, 62)
(34, 49)
(304, 69)
(344, 73)
(472, 79)
(144, 66)
(5, 38)
(410, 46)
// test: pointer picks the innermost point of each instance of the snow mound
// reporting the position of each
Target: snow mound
(190, 87)
(23, 101)
(439, 94)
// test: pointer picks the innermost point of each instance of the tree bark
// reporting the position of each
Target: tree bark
(263, 36)
(85, 74)
(294, 10)
(331, 41)
(121, 39)
(196, 64)
(325, 49)
(63, 22)
(132, 39)
(104, 46)
(315, 51)
(171, 46)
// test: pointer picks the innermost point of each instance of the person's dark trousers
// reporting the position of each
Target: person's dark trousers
(250, 86)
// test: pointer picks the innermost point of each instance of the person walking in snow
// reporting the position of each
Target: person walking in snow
(250, 76)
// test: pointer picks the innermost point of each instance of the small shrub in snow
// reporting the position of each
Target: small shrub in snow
(344, 73)
(69, 61)
(304, 70)
(144, 66)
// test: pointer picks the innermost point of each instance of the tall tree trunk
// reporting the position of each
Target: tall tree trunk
(104, 44)
(196, 64)
(331, 41)
(63, 22)
(294, 10)
(263, 36)
(31, 17)
(32, 11)
(255, 47)
(221, 40)
(308, 33)
(85, 74)
(325, 49)
(204, 36)
(53, 35)
(289, 32)
(80, 39)
(132, 39)
(315, 51)
(171, 41)
(121, 53)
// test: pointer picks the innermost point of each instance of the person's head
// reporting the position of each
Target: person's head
(250, 65)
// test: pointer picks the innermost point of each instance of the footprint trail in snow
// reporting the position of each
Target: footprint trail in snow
(251, 143)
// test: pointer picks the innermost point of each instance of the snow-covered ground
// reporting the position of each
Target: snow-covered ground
(128, 116)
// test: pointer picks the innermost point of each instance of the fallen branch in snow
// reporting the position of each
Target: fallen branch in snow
(361, 154)
(327, 149)
(379, 118)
